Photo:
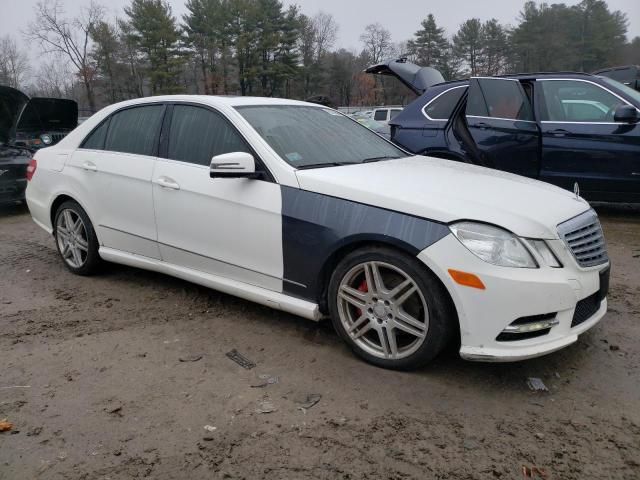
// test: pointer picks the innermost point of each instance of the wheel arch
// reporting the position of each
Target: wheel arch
(352, 244)
(59, 200)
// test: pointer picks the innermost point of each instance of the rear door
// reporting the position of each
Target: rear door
(500, 121)
(113, 167)
(582, 143)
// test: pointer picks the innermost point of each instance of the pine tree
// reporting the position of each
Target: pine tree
(155, 33)
(429, 44)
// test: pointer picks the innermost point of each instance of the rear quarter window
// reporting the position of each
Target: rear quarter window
(95, 140)
(441, 107)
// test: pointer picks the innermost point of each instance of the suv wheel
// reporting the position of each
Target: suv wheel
(389, 308)
(75, 238)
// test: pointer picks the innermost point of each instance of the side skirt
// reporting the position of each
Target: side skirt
(269, 298)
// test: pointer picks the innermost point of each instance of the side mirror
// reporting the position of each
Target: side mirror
(626, 114)
(233, 165)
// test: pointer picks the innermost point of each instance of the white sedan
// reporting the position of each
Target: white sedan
(298, 207)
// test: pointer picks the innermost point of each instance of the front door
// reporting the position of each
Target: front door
(500, 121)
(114, 166)
(231, 227)
(582, 143)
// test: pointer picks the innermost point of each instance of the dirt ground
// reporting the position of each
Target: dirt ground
(91, 376)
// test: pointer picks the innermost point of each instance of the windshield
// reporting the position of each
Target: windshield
(634, 94)
(316, 137)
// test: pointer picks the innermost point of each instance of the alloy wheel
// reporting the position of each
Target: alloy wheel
(71, 235)
(383, 310)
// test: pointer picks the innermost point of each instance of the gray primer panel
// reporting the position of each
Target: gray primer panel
(314, 226)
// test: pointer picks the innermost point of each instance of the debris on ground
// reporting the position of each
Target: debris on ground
(210, 428)
(536, 385)
(190, 358)
(5, 426)
(263, 380)
(266, 407)
(15, 386)
(114, 410)
(614, 348)
(241, 360)
(534, 472)
(308, 401)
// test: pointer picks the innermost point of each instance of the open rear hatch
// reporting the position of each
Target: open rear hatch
(417, 78)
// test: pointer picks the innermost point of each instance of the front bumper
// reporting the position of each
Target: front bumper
(513, 293)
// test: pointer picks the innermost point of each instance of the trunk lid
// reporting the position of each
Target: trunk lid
(417, 78)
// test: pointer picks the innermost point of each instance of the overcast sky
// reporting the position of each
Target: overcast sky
(401, 17)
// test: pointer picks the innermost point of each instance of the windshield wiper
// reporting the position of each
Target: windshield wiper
(377, 159)
(325, 164)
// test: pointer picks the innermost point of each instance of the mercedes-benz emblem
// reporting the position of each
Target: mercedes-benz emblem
(576, 190)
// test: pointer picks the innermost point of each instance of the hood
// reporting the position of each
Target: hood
(447, 191)
(49, 114)
(416, 78)
(12, 102)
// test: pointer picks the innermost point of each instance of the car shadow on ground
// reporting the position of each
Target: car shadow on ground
(13, 209)
(488, 376)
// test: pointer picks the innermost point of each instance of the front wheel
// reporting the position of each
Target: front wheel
(389, 308)
(76, 240)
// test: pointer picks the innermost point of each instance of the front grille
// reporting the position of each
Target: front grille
(56, 137)
(586, 308)
(584, 238)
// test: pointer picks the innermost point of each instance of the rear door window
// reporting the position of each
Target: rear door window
(441, 107)
(380, 115)
(575, 101)
(498, 98)
(135, 130)
(197, 134)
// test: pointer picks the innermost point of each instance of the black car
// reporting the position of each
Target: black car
(562, 128)
(26, 125)
(628, 75)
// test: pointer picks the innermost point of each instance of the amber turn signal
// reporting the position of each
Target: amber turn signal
(466, 279)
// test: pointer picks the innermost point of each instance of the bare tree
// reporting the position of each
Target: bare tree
(52, 79)
(68, 37)
(325, 30)
(377, 42)
(14, 63)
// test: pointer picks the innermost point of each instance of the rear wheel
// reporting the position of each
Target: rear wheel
(75, 238)
(389, 308)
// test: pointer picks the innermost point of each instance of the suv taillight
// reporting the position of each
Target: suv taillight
(31, 169)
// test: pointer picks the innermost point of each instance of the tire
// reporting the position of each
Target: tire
(76, 242)
(403, 322)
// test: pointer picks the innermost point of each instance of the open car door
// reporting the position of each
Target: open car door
(501, 123)
(417, 78)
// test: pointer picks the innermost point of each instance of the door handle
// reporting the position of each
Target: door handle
(558, 132)
(481, 125)
(167, 183)
(90, 166)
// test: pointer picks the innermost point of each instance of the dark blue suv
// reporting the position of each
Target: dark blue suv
(562, 128)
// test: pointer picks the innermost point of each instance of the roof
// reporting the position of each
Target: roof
(217, 100)
(522, 76)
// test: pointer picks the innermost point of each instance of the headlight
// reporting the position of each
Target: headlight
(46, 139)
(545, 252)
(493, 245)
